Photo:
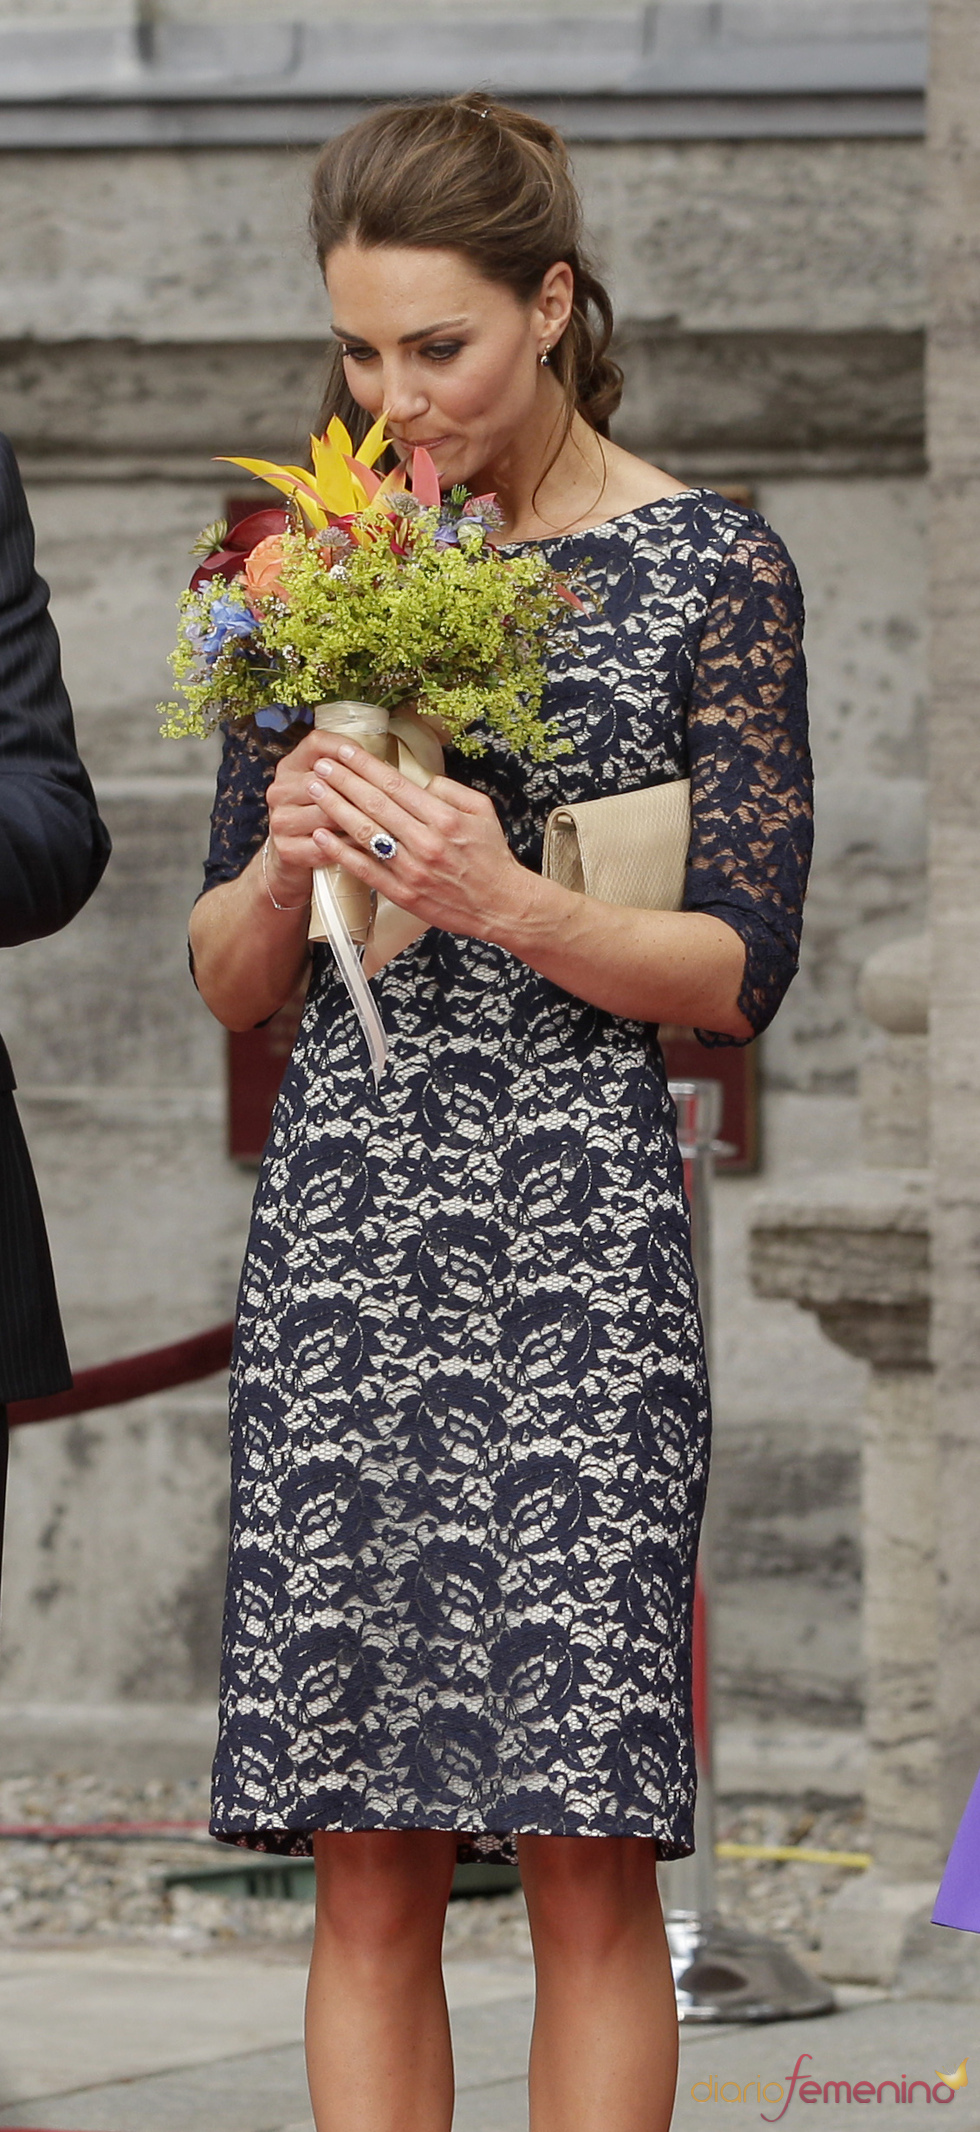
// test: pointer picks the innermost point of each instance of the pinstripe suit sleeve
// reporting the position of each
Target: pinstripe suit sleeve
(33, 1356)
(53, 846)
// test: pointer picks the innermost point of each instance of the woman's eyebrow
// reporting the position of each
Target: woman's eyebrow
(405, 339)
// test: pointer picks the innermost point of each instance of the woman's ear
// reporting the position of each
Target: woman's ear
(556, 296)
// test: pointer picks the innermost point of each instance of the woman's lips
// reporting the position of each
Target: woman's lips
(425, 444)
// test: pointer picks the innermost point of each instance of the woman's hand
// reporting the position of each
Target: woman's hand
(453, 867)
(249, 935)
(293, 818)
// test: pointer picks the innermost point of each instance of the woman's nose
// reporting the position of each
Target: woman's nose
(404, 396)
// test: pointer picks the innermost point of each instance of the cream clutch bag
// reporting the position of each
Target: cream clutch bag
(631, 848)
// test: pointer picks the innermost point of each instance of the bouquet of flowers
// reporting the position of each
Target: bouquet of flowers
(378, 607)
(367, 590)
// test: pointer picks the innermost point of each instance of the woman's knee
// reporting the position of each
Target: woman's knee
(380, 1889)
(587, 1891)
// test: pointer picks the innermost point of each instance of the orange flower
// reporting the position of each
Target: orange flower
(263, 567)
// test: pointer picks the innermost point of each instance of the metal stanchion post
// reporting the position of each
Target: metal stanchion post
(720, 1972)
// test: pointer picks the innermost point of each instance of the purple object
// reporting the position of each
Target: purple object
(958, 1901)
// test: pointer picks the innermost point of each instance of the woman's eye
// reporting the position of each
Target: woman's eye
(435, 352)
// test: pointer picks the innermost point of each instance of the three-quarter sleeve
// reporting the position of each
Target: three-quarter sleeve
(751, 779)
(240, 817)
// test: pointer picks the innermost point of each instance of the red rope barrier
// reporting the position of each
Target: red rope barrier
(159, 1369)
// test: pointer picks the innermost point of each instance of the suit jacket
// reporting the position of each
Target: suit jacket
(53, 851)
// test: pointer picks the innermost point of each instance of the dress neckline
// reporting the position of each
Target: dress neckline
(621, 518)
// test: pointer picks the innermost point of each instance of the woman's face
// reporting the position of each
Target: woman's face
(453, 358)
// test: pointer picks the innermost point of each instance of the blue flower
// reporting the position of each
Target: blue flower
(227, 620)
(276, 717)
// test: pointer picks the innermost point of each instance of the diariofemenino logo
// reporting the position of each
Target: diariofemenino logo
(801, 2087)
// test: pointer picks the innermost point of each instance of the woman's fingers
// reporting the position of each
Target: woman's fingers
(360, 822)
(452, 865)
(336, 850)
(293, 815)
(461, 797)
(295, 827)
(386, 876)
(386, 799)
(380, 793)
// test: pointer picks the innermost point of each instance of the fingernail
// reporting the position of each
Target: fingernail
(314, 788)
(323, 838)
(324, 768)
(346, 751)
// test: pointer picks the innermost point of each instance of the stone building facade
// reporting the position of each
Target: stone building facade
(754, 181)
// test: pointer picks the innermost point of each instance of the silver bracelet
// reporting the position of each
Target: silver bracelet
(265, 877)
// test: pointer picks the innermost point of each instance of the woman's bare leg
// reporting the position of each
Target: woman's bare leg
(378, 2053)
(604, 2047)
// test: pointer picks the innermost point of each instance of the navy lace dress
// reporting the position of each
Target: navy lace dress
(469, 1410)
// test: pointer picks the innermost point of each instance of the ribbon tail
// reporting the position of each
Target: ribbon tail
(349, 964)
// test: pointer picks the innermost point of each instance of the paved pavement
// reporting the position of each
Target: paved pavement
(131, 2039)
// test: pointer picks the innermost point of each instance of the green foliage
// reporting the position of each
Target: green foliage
(457, 630)
(210, 537)
(225, 686)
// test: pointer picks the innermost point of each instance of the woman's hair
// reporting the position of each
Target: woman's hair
(464, 174)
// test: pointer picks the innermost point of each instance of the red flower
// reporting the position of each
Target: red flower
(228, 562)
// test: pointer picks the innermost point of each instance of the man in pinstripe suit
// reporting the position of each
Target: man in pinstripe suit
(53, 851)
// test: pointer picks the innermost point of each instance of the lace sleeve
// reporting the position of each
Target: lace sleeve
(750, 768)
(239, 819)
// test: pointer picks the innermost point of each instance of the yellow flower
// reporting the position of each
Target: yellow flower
(339, 485)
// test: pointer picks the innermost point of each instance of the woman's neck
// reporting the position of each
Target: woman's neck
(548, 480)
(557, 484)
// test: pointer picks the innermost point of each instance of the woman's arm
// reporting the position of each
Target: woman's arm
(249, 955)
(454, 869)
(648, 966)
(723, 963)
(751, 778)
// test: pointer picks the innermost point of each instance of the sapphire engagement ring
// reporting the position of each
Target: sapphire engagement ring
(382, 845)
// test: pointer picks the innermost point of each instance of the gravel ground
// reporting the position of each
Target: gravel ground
(785, 1901)
(77, 1892)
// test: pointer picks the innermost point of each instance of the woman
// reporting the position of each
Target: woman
(470, 1416)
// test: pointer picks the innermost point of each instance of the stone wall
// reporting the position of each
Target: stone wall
(955, 880)
(160, 306)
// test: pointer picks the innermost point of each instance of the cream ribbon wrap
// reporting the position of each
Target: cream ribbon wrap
(365, 932)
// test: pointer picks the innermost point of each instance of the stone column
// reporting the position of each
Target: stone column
(899, 1619)
(954, 437)
(854, 1249)
(898, 1446)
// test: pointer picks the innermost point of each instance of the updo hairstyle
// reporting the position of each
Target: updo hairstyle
(466, 175)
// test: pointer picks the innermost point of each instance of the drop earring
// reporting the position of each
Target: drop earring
(545, 358)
